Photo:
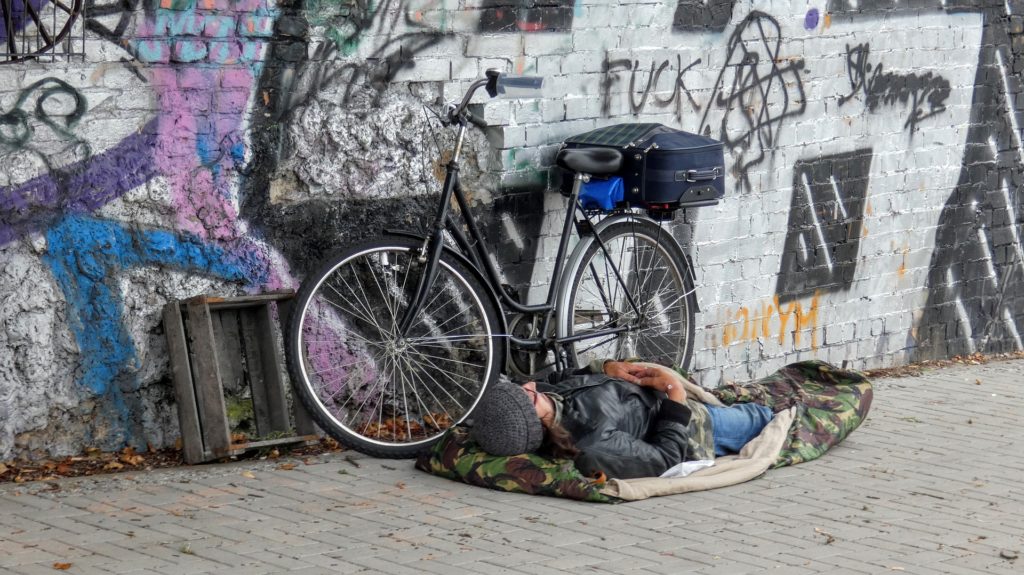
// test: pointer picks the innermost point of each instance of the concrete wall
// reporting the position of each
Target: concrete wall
(873, 211)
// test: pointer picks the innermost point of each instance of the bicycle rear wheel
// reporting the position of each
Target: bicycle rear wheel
(371, 388)
(653, 273)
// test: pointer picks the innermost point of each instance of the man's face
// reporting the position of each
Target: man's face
(543, 404)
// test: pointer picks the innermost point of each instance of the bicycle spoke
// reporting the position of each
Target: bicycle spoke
(427, 359)
(387, 301)
(368, 306)
(636, 282)
(337, 367)
(366, 318)
(436, 400)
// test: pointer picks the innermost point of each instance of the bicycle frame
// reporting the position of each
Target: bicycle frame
(478, 255)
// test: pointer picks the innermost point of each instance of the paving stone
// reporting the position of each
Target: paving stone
(915, 487)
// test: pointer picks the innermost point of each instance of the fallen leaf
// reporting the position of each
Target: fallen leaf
(977, 382)
(3, 469)
(113, 466)
(274, 454)
(829, 538)
(248, 474)
(286, 466)
(400, 485)
(62, 566)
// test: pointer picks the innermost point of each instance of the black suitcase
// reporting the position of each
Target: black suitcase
(663, 168)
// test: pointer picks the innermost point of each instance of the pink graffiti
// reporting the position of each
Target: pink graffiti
(203, 92)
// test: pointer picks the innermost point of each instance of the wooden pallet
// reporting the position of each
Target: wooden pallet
(212, 340)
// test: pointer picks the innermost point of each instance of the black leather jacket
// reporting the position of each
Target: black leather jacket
(621, 429)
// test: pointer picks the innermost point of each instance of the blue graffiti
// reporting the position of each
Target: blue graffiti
(86, 256)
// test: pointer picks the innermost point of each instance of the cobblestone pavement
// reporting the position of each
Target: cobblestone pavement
(930, 483)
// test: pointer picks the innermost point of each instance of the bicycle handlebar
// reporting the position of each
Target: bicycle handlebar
(496, 84)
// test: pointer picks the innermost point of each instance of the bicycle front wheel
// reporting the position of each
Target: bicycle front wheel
(372, 388)
(634, 299)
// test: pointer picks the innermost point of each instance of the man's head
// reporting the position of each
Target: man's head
(508, 419)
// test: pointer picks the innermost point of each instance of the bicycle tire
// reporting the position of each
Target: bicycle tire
(365, 385)
(656, 272)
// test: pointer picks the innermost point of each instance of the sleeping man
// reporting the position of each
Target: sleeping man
(619, 419)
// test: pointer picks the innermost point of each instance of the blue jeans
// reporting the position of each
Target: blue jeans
(733, 426)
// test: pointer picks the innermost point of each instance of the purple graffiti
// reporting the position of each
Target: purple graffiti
(811, 19)
(79, 188)
(21, 13)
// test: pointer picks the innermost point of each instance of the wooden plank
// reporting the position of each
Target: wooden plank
(278, 441)
(304, 424)
(268, 335)
(181, 373)
(209, 390)
(254, 368)
(219, 303)
(229, 350)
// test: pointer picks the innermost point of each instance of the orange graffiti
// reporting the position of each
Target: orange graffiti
(803, 320)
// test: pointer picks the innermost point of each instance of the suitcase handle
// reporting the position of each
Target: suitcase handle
(702, 175)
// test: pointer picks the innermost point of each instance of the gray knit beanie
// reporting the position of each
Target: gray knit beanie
(505, 422)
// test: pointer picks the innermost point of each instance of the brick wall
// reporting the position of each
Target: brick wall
(872, 214)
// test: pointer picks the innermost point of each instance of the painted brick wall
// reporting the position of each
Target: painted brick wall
(873, 212)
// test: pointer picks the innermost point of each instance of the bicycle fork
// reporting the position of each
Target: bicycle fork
(430, 253)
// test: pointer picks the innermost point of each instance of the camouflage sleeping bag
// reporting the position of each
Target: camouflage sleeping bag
(830, 403)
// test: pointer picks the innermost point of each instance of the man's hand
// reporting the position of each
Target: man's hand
(658, 378)
(662, 379)
(624, 370)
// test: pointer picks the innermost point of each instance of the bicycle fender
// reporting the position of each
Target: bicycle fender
(469, 264)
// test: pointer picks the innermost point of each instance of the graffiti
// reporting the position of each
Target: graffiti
(57, 106)
(772, 319)
(977, 268)
(697, 15)
(825, 224)
(86, 257)
(526, 16)
(811, 19)
(754, 90)
(653, 84)
(887, 88)
(110, 19)
(79, 188)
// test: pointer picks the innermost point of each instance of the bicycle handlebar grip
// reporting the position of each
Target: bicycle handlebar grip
(519, 83)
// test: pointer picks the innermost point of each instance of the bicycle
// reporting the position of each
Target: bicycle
(393, 341)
